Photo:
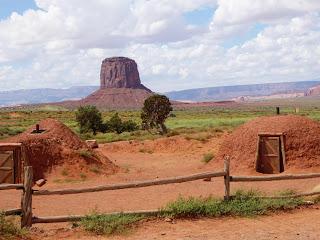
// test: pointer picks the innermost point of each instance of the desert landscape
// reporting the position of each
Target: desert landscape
(156, 119)
(200, 138)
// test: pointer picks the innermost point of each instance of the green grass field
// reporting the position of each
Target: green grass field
(188, 121)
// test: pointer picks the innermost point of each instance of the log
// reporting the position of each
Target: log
(273, 177)
(307, 194)
(15, 211)
(74, 218)
(10, 186)
(26, 200)
(227, 178)
(131, 185)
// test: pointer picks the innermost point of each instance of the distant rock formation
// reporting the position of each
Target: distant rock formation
(314, 91)
(120, 72)
(120, 87)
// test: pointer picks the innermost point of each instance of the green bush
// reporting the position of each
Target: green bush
(155, 111)
(243, 204)
(115, 124)
(89, 119)
(109, 224)
(9, 230)
(207, 157)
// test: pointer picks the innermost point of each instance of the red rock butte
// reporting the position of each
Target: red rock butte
(120, 86)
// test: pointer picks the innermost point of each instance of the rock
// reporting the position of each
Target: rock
(41, 182)
(120, 72)
(92, 143)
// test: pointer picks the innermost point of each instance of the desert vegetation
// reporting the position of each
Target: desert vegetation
(244, 203)
(191, 123)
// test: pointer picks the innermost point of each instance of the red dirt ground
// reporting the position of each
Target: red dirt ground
(168, 157)
(302, 142)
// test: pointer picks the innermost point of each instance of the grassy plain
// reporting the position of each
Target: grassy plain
(193, 122)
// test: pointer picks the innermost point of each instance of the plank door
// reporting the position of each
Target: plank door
(269, 155)
(6, 167)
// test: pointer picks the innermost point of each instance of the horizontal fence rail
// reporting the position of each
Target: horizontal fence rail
(73, 218)
(10, 186)
(132, 185)
(15, 211)
(27, 218)
(273, 177)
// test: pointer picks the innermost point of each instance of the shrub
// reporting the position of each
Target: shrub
(8, 230)
(85, 153)
(155, 111)
(89, 119)
(115, 124)
(109, 224)
(243, 204)
(207, 157)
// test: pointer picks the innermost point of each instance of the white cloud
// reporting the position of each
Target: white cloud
(63, 44)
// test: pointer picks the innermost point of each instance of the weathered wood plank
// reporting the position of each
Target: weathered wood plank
(227, 178)
(307, 194)
(273, 177)
(75, 218)
(131, 185)
(15, 211)
(10, 186)
(26, 200)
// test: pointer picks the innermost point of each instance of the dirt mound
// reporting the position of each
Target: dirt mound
(56, 146)
(302, 142)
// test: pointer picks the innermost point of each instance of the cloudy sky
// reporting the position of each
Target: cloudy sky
(178, 44)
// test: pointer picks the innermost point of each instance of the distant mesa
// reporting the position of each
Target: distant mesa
(120, 72)
(120, 87)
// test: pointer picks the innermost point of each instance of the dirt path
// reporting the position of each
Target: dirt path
(294, 225)
(168, 158)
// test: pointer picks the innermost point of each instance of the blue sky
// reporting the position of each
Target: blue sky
(176, 44)
(19, 6)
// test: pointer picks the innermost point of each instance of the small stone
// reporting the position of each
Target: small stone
(41, 182)
(92, 143)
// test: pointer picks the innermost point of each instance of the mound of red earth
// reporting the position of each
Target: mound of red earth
(57, 146)
(302, 142)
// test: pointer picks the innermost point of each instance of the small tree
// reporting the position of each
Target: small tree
(155, 111)
(89, 119)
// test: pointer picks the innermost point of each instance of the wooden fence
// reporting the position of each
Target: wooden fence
(27, 219)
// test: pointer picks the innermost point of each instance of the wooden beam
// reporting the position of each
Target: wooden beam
(274, 177)
(10, 186)
(131, 185)
(227, 178)
(15, 211)
(57, 219)
(307, 194)
(26, 200)
(9, 146)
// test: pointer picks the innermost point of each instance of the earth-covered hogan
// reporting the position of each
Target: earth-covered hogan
(302, 142)
(55, 145)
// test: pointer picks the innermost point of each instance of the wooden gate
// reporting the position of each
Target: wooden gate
(10, 162)
(270, 154)
(6, 167)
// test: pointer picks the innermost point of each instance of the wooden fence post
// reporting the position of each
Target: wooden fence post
(26, 200)
(227, 178)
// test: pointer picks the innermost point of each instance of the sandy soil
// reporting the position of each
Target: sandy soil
(293, 225)
(168, 157)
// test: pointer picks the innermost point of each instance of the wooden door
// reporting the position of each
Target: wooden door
(6, 167)
(269, 159)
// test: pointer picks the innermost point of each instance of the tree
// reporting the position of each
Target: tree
(115, 124)
(155, 111)
(89, 119)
